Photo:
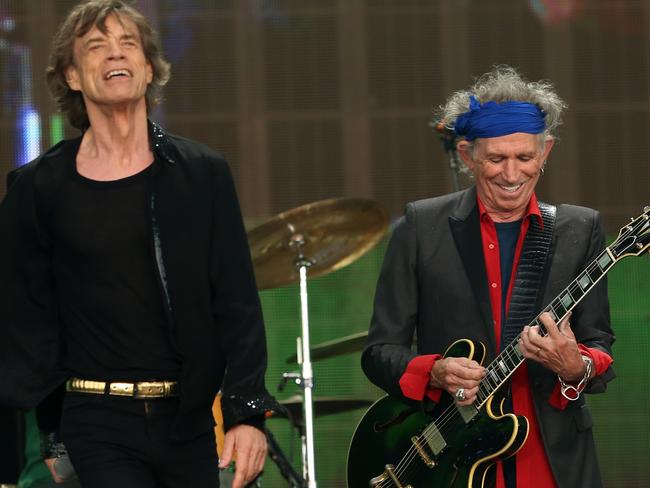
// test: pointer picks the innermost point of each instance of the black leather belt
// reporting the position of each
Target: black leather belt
(140, 389)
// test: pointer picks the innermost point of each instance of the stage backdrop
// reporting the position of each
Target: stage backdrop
(313, 99)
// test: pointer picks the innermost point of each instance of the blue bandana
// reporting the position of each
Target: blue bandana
(493, 119)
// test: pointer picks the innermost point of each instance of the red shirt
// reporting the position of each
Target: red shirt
(533, 468)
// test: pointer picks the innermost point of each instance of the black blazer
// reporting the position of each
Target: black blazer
(208, 284)
(433, 285)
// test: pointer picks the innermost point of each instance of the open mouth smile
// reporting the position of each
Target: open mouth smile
(511, 188)
(117, 73)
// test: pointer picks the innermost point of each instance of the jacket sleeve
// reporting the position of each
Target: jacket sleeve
(29, 349)
(238, 312)
(388, 350)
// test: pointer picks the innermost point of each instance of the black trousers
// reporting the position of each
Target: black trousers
(123, 442)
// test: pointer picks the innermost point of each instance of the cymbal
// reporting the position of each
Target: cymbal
(336, 347)
(334, 233)
(322, 406)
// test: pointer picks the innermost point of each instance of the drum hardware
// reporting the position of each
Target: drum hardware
(286, 469)
(329, 349)
(335, 233)
(322, 406)
(292, 375)
(319, 237)
(335, 347)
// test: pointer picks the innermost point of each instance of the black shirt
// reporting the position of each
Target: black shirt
(110, 301)
(508, 235)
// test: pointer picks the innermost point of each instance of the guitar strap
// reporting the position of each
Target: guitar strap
(527, 290)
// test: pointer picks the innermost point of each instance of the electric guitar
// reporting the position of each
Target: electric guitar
(398, 446)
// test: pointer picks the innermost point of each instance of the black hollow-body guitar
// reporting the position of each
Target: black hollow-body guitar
(398, 446)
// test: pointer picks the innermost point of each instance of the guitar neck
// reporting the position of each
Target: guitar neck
(506, 363)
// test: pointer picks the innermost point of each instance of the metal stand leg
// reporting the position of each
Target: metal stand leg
(309, 462)
(283, 464)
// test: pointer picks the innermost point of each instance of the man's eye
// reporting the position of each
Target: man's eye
(496, 160)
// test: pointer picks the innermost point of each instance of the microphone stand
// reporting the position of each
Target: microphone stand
(448, 138)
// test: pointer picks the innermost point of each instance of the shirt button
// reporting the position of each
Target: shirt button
(491, 246)
(494, 285)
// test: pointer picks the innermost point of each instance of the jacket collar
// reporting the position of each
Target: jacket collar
(466, 229)
(466, 205)
(159, 142)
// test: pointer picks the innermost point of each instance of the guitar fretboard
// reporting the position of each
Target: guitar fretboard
(505, 364)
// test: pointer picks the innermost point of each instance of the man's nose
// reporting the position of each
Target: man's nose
(115, 50)
(511, 170)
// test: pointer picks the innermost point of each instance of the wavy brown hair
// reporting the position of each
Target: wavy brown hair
(80, 20)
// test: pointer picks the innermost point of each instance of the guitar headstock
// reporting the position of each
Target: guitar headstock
(634, 238)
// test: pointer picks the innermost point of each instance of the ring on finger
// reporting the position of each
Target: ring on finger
(460, 394)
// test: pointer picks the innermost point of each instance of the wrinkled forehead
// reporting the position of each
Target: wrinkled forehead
(518, 142)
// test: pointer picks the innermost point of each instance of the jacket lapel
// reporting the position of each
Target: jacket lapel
(466, 229)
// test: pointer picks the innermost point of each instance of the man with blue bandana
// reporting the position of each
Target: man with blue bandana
(481, 263)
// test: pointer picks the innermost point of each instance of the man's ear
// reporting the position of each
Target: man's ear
(464, 149)
(149, 73)
(548, 145)
(72, 78)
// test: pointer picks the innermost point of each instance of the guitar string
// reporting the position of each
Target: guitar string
(450, 412)
(572, 288)
(442, 422)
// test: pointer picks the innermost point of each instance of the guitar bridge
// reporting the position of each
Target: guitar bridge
(423, 454)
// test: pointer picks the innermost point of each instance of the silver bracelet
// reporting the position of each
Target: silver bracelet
(571, 392)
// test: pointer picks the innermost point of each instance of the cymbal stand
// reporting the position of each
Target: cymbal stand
(283, 464)
(302, 263)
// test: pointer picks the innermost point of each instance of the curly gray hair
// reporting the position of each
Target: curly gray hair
(504, 83)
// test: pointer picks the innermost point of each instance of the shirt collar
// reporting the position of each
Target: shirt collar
(531, 211)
